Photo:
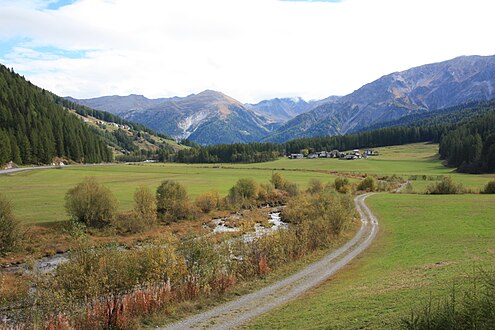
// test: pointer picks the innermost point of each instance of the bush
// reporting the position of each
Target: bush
(342, 185)
(129, 222)
(91, 203)
(315, 186)
(368, 184)
(208, 201)
(145, 206)
(244, 193)
(9, 227)
(278, 180)
(172, 201)
(280, 183)
(489, 188)
(445, 187)
(267, 194)
(334, 211)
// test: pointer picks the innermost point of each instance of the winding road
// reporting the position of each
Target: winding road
(233, 314)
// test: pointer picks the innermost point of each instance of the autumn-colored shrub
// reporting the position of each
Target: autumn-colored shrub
(342, 184)
(91, 203)
(243, 194)
(208, 201)
(368, 184)
(145, 206)
(446, 186)
(10, 236)
(489, 188)
(172, 201)
(315, 186)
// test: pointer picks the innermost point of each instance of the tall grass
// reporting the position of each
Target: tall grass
(472, 308)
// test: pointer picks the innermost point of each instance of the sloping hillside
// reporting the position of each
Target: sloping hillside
(35, 130)
(425, 88)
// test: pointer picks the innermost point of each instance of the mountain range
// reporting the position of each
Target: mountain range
(211, 117)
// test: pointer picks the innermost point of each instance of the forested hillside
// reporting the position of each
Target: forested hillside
(471, 146)
(35, 130)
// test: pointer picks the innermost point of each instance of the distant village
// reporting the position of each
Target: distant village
(104, 123)
(350, 155)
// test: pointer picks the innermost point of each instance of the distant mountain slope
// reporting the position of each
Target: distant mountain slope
(209, 117)
(36, 130)
(281, 110)
(425, 88)
(119, 105)
(452, 115)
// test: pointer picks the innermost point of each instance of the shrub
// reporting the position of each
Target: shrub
(278, 180)
(334, 211)
(267, 194)
(280, 183)
(315, 186)
(368, 184)
(243, 193)
(129, 222)
(145, 206)
(445, 187)
(342, 184)
(91, 203)
(489, 188)
(9, 227)
(172, 201)
(208, 201)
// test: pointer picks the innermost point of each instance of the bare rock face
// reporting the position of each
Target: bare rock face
(209, 117)
(424, 88)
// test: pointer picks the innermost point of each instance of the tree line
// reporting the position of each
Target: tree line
(34, 130)
(471, 146)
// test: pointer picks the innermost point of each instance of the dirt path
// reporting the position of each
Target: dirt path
(47, 167)
(244, 309)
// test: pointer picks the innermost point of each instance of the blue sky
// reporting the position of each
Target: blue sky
(248, 49)
(54, 5)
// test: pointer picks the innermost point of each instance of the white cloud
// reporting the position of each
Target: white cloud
(249, 49)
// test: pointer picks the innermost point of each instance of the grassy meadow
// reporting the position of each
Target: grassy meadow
(425, 245)
(38, 196)
(407, 160)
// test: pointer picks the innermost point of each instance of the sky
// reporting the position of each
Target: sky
(248, 49)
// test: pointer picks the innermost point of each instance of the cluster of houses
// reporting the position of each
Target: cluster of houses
(351, 155)
(101, 122)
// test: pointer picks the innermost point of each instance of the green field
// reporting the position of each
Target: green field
(407, 160)
(425, 244)
(38, 196)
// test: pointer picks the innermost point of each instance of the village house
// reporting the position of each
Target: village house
(370, 152)
(296, 156)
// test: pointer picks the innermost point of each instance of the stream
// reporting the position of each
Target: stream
(50, 263)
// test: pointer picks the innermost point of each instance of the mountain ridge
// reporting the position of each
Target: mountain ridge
(424, 88)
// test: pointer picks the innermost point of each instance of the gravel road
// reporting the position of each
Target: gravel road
(233, 314)
(34, 168)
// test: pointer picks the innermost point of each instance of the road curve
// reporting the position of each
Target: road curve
(234, 313)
